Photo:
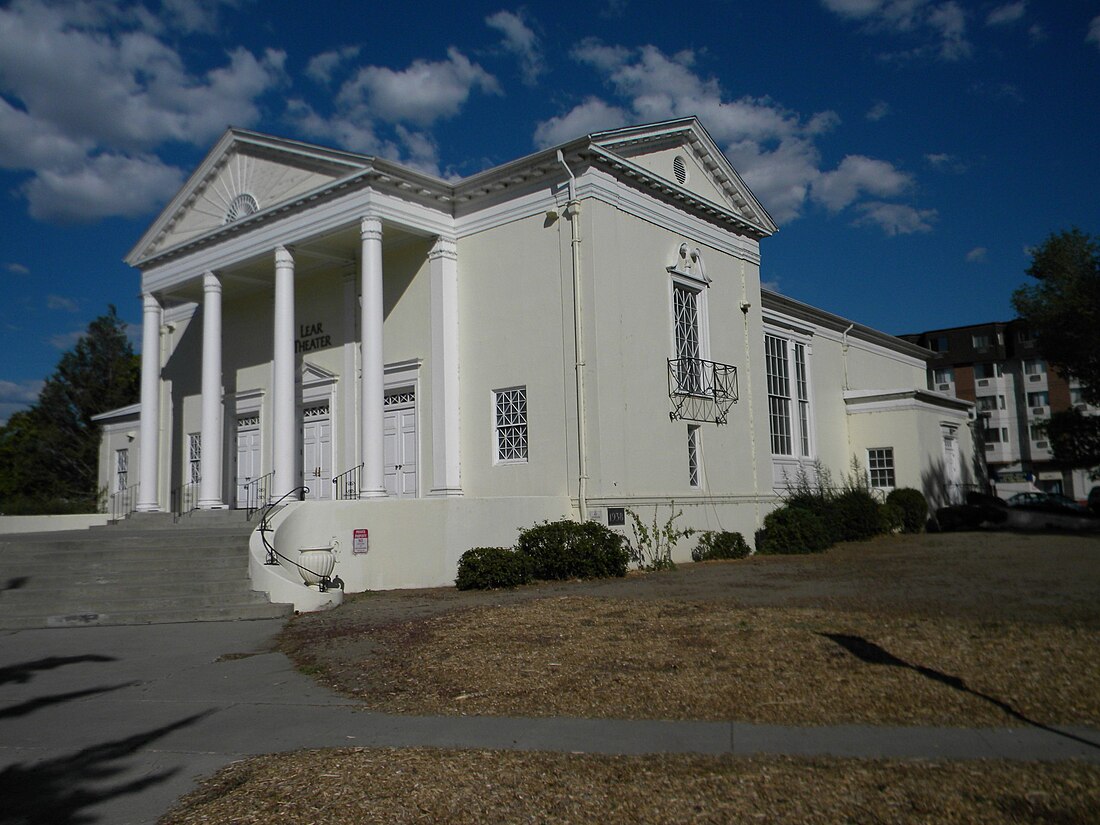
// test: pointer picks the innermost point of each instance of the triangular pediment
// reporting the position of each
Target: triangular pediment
(682, 155)
(245, 174)
(313, 375)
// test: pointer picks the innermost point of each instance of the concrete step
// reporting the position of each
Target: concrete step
(74, 553)
(111, 586)
(109, 603)
(225, 613)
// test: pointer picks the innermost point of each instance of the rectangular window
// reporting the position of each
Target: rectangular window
(194, 460)
(779, 394)
(991, 369)
(944, 375)
(987, 403)
(997, 435)
(685, 309)
(694, 475)
(1076, 395)
(1035, 366)
(122, 469)
(1036, 432)
(980, 341)
(938, 343)
(1026, 335)
(803, 399)
(510, 410)
(880, 468)
(1038, 399)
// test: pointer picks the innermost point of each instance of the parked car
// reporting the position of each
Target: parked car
(1094, 500)
(1047, 502)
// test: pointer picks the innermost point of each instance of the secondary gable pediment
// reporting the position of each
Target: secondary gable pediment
(244, 174)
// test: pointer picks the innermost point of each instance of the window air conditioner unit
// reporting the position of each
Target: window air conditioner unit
(1038, 410)
(984, 382)
(1041, 445)
(1036, 377)
(1080, 407)
(944, 387)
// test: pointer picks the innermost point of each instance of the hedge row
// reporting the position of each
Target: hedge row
(549, 551)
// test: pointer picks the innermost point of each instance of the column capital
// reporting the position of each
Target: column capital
(150, 303)
(211, 282)
(444, 247)
(370, 227)
(283, 256)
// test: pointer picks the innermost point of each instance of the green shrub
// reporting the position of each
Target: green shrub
(792, 530)
(893, 517)
(914, 508)
(720, 545)
(488, 568)
(572, 550)
(857, 516)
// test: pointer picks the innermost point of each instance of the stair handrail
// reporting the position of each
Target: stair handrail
(348, 484)
(184, 500)
(273, 555)
(255, 492)
(123, 502)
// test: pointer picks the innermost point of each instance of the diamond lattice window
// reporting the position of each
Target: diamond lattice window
(511, 424)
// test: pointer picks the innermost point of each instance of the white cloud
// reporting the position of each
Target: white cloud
(593, 115)
(1006, 14)
(773, 148)
(1094, 31)
(422, 94)
(89, 84)
(976, 255)
(66, 340)
(877, 112)
(896, 218)
(855, 176)
(321, 66)
(945, 22)
(17, 268)
(62, 303)
(943, 162)
(16, 396)
(520, 40)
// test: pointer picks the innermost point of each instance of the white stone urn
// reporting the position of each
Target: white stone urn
(316, 563)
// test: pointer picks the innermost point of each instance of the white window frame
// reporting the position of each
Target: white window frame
(881, 468)
(943, 375)
(695, 456)
(1035, 366)
(519, 445)
(689, 283)
(194, 458)
(799, 394)
(1044, 403)
(122, 469)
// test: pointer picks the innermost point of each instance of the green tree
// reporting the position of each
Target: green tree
(1063, 311)
(1063, 308)
(49, 453)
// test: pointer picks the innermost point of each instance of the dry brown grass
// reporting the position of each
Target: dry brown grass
(430, 786)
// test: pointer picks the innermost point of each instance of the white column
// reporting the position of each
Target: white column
(349, 387)
(373, 361)
(285, 430)
(150, 406)
(210, 463)
(443, 265)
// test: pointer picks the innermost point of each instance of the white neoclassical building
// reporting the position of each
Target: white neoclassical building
(431, 365)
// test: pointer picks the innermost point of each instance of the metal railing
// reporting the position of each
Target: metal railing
(123, 502)
(184, 499)
(255, 493)
(348, 484)
(701, 390)
(273, 555)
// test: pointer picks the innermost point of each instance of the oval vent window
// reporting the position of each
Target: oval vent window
(679, 168)
(241, 206)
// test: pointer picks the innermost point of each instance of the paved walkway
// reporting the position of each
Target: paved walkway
(113, 724)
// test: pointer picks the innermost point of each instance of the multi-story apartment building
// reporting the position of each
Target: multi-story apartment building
(1000, 368)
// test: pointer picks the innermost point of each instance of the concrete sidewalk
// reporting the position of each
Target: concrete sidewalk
(113, 724)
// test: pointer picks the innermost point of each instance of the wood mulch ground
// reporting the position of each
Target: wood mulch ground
(965, 629)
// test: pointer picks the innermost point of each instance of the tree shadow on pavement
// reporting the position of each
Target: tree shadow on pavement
(871, 653)
(15, 583)
(57, 791)
(25, 671)
(32, 705)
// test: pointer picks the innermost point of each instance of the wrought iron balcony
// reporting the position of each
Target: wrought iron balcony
(701, 390)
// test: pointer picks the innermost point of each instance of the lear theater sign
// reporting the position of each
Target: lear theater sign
(311, 337)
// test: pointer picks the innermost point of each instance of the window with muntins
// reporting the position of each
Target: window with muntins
(880, 468)
(194, 460)
(789, 415)
(685, 310)
(510, 415)
(694, 475)
(122, 469)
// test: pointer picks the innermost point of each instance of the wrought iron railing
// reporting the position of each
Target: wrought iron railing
(255, 493)
(701, 390)
(348, 484)
(123, 502)
(273, 555)
(184, 499)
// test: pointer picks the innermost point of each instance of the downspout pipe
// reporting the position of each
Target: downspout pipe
(845, 351)
(573, 210)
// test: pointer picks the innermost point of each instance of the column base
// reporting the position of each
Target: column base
(373, 493)
(447, 492)
(147, 508)
(213, 504)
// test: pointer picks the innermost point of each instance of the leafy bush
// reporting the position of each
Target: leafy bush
(655, 541)
(893, 517)
(791, 530)
(913, 506)
(720, 545)
(488, 568)
(572, 550)
(857, 516)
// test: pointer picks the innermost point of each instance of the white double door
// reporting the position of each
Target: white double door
(317, 453)
(248, 462)
(399, 445)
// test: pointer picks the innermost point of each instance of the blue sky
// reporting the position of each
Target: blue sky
(910, 150)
